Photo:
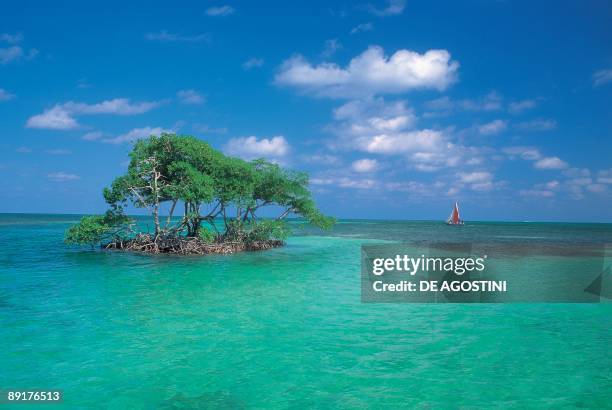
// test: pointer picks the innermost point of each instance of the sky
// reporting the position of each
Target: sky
(396, 109)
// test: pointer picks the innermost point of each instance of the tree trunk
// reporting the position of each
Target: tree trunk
(170, 213)
(156, 205)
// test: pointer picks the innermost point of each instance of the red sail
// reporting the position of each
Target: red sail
(455, 218)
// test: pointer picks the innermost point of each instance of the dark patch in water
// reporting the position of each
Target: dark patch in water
(207, 401)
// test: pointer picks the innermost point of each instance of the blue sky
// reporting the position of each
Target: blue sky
(396, 109)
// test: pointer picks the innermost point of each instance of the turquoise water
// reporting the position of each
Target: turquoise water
(285, 328)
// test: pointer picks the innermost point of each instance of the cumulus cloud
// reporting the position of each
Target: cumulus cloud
(190, 97)
(493, 127)
(5, 95)
(55, 118)
(362, 28)
(388, 128)
(62, 116)
(364, 117)
(253, 63)
(274, 149)
(375, 126)
(61, 176)
(365, 165)
(550, 163)
(220, 11)
(136, 134)
(167, 37)
(602, 77)
(371, 73)
(403, 142)
(392, 8)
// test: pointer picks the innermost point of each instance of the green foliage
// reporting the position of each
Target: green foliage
(170, 169)
(269, 229)
(206, 235)
(94, 229)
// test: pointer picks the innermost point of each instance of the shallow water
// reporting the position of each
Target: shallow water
(286, 329)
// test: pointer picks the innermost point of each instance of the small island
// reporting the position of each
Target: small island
(219, 197)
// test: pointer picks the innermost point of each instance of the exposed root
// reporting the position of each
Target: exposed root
(181, 245)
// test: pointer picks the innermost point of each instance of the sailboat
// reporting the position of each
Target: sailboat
(454, 218)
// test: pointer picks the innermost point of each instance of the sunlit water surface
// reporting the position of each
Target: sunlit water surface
(286, 329)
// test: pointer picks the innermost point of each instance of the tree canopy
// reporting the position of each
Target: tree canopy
(185, 172)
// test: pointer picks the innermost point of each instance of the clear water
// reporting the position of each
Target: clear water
(285, 328)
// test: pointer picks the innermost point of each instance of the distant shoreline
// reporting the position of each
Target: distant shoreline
(340, 220)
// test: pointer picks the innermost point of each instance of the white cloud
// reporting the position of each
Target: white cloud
(56, 118)
(136, 134)
(362, 28)
(5, 95)
(475, 177)
(365, 165)
(207, 129)
(166, 37)
(478, 181)
(330, 47)
(605, 176)
(403, 142)
(62, 116)
(446, 106)
(11, 38)
(493, 127)
(274, 149)
(253, 63)
(517, 107)
(345, 182)
(92, 136)
(526, 153)
(545, 190)
(10, 54)
(326, 159)
(371, 73)
(539, 193)
(62, 176)
(117, 106)
(220, 11)
(550, 163)
(377, 127)
(554, 184)
(393, 8)
(539, 124)
(602, 77)
(23, 150)
(190, 97)
(597, 188)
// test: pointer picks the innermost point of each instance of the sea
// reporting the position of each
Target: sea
(287, 328)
